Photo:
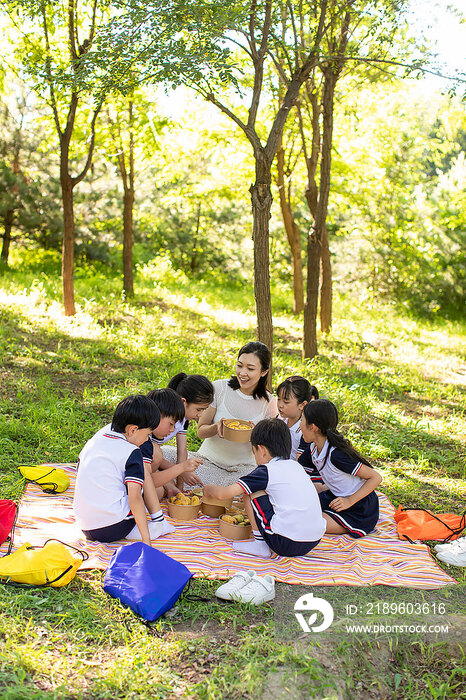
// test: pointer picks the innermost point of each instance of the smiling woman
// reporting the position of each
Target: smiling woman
(244, 397)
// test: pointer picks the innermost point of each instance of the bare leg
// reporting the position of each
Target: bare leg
(257, 547)
(151, 493)
(158, 525)
(333, 528)
(249, 511)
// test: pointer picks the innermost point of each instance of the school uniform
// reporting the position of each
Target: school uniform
(304, 458)
(147, 448)
(107, 464)
(296, 436)
(181, 427)
(339, 473)
(289, 515)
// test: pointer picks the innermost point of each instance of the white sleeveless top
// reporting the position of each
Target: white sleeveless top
(232, 403)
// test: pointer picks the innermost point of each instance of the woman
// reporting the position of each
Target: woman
(244, 396)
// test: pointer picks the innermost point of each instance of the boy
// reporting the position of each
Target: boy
(281, 502)
(109, 500)
(172, 418)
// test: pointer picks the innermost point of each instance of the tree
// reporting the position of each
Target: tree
(358, 35)
(28, 195)
(249, 27)
(128, 133)
(53, 48)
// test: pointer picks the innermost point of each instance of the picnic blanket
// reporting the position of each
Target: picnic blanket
(380, 558)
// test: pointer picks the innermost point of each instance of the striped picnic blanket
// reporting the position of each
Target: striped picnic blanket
(380, 558)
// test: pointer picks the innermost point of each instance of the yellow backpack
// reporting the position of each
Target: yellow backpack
(50, 479)
(54, 564)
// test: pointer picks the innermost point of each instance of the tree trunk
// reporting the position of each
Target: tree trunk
(8, 223)
(312, 294)
(293, 234)
(316, 236)
(67, 267)
(330, 80)
(326, 286)
(261, 199)
(128, 206)
(128, 203)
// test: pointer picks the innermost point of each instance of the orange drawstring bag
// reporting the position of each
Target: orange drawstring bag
(419, 524)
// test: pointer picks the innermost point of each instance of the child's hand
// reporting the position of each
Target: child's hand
(171, 489)
(192, 464)
(340, 503)
(192, 480)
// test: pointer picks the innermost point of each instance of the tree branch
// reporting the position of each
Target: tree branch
(48, 59)
(72, 28)
(258, 61)
(76, 180)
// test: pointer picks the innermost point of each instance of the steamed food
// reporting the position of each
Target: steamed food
(236, 425)
(183, 500)
(236, 519)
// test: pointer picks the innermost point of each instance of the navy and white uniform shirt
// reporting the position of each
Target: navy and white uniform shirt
(301, 445)
(337, 469)
(181, 427)
(296, 436)
(296, 507)
(107, 464)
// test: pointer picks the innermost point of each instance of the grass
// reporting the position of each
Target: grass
(399, 384)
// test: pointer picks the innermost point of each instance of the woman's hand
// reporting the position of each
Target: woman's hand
(220, 427)
(341, 503)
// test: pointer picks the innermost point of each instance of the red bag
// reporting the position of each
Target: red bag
(7, 518)
(419, 524)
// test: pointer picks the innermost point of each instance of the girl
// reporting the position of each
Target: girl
(196, 393)
(293, 394)
(243, 396)
(347, 496)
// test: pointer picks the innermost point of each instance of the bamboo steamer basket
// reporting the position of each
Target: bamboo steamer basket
(212, 511)
(234, 532)
(181, 512)
(237, 434)
(226, 503)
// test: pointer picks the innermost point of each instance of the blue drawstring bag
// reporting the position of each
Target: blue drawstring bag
(146, 580)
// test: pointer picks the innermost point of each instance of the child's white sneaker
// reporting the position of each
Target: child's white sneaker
(259, 590)
(455, 558)
(458, 545)
(235, 584)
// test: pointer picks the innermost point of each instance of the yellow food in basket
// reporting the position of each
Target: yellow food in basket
(181, 500)
(236, 425)
(236, 519)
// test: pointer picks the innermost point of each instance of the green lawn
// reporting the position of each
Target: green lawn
(399, 384)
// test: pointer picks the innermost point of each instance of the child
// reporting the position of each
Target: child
(172, 412)
(293, 394)
(108, 502)
(281, 502)
(197, 393)
(347, 496)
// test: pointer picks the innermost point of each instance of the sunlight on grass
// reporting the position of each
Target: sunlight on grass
(398, 384)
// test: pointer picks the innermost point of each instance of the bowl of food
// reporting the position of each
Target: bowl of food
(237, 430)
(184, 506)
(220, 503)
(212, 511)
(235, 526)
